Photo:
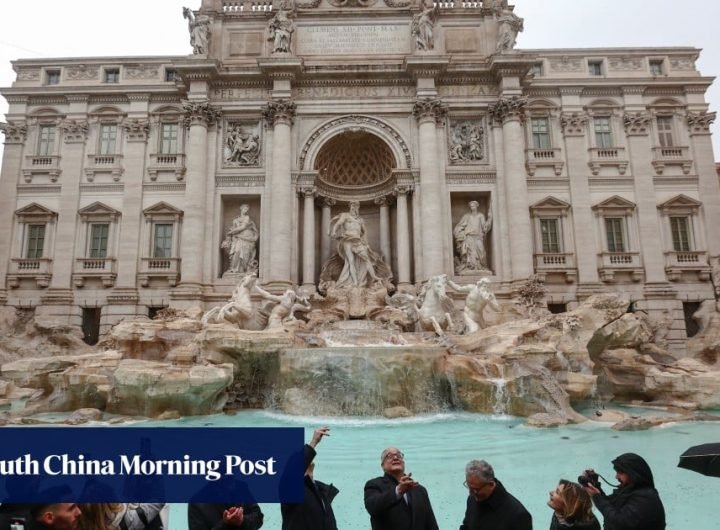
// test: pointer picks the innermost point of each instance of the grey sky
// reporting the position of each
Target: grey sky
(54, 28)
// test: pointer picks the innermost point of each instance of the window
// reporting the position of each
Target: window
(170, 74)
(656, 68)
(46, 142)
(162, 241)
(680, 229)
(169, 139)
(665, 131)
(112, 75)
(540, 133)
(556, 309)
(99, 240)
(35, 241)
(108, 139)
(603, 133)
(536, 69)
(52, 77)
(615, 233)
(595, 68)
(691, 325)
(550, 233)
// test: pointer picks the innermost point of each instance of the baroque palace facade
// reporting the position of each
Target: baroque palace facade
(132, 184)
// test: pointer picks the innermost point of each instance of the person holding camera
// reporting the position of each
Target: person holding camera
(572, 508)
(635, 504)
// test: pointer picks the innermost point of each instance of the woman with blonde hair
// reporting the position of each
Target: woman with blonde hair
(121, 516)
(572, 508)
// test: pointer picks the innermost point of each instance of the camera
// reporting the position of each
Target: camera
(589, 477)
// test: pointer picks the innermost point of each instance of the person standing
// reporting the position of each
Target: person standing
(635, 504)
(395, 501)
(490, 505)
(572, 508)
(315, 512)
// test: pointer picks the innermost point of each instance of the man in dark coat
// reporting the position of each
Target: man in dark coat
(315, 512)
(395, 501)
(489, 505)
(210, 516)
(636, 504)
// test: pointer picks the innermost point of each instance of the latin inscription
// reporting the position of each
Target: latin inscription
(360, 39)
(318, 92)
(230, 94)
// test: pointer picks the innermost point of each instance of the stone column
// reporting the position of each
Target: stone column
(708, 184)
(428, 112)
(308, 194)
(325, 241)
(402, 233)
(199, 115)
(15, 136)
(574, 127)
(382, 202)
(637, 129)
(280, 115)
(510, 111)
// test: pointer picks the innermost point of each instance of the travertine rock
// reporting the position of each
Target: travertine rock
(152, 340)
(81, 416)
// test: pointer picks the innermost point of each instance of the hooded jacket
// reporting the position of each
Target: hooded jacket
(636, 506)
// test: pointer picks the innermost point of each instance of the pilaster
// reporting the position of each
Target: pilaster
(15, 136)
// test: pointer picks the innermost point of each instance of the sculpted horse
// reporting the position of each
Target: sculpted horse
(435, 306)
(238, 310)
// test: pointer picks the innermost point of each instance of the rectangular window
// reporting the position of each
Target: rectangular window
(99, 240)
(46, 144)
(170, 74)
(603, 133)
(540, 133)
(595, 68)
(615, 232)
(112, 75)
(550, 231)
(52, 77)
(169, 139)
(665, 132)
(162, 242)
(680, 228)
(35, 241)
(108, 139)
(656, 68)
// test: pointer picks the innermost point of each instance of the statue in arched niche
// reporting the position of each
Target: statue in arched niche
(469, 236)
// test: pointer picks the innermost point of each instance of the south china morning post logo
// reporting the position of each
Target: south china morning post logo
(151, 465)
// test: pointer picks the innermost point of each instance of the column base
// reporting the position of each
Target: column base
(307, 289)
(277, 286)
(406, 287)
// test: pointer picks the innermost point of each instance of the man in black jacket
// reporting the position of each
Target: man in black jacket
(635, 505)
(315, 512)
(489, 505)
(395, 501)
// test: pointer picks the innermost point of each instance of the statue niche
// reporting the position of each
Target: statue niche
(240, 244)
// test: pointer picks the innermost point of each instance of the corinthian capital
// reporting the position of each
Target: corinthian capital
(200, 113)
(573, 123)
(74, 130)
(15, 132)
(636, 123)
(509, 108)
(279, 111)
(137, 130)
(700, 122)
(430, 108)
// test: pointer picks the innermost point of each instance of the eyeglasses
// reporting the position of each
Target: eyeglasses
(475, 490)
(390, 456)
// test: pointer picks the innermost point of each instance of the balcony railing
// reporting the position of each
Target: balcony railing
(677, 262)
(167, 162)
(668, 156)
(612, 262)
(41, 164)
(608, 157)
(167, 268)
(38, 269)
(556, 262)
(535, 158)
(101, 268)
(104, 163)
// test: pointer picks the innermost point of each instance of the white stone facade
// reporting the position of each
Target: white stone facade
(121, 176)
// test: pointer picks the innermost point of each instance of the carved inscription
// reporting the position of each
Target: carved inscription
(233, 94)
(358, 39)
(314, 92)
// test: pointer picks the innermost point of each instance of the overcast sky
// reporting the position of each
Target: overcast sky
(77, 28)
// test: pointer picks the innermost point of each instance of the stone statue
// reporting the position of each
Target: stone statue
(436, 306)
(470, 235)
(466, 142)
(282, 311)
(281, 30)
(242, 147)
(479, 296)
(422, 28)
(240, 243)
(238, 310)
(199, 28)
(715, 275)
(359, 260)
(510, 26)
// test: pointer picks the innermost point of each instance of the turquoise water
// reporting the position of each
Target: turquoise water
(528, 461)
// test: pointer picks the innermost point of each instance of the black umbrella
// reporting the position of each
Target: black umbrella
(703, 458)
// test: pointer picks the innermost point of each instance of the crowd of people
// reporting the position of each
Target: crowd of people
(393, 500)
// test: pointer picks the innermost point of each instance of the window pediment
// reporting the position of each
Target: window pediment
(680, 204)
(614, 205)
(35, 213)
(164, 210)
(97, 210)
(550, 206)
